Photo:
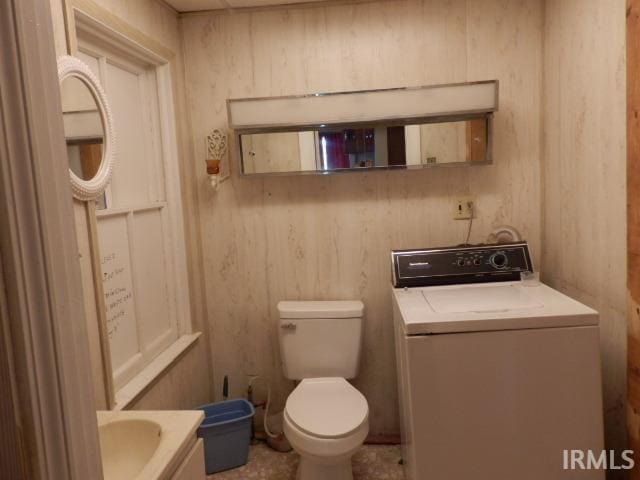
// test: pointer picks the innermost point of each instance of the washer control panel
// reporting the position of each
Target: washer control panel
(462, 264)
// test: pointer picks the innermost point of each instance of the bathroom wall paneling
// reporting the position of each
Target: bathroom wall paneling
(558, 173)
(175, 391)
(633, 227)
(329, 237)
(583, 164)
(154, 25)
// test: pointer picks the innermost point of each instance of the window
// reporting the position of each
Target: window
(139, 221)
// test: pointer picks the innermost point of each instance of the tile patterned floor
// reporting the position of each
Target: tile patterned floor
(371, 462)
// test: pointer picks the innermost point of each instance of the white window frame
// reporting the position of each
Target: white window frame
(96, 38)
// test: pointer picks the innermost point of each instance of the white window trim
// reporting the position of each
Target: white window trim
(139, 384)
(95, 28)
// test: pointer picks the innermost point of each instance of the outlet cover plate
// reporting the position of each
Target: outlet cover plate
(463, 207)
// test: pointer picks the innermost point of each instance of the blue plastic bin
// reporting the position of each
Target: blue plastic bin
(226, 433)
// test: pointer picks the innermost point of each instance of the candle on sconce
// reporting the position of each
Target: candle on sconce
(216, 150)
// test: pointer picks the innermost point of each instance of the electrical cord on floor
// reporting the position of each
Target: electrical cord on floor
(266, 406)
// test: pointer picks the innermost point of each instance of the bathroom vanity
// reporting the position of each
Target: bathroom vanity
(151, 445)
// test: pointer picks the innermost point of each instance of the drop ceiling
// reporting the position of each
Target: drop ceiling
(197, 5)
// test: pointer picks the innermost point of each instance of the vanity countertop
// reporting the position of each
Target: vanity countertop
(129, 441)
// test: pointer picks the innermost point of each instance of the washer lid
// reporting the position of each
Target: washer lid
(485, 307)
(327, 407)
(479, 299)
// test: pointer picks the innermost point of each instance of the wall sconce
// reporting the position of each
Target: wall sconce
(216, 150)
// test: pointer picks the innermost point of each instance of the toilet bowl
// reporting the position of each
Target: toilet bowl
(326, 420)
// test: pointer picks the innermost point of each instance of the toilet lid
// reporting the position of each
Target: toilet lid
(327, 407)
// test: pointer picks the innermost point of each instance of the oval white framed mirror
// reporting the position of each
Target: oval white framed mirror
(89, 131)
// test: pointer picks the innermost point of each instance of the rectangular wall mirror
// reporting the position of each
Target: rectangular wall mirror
(335, 149)
(447, 125)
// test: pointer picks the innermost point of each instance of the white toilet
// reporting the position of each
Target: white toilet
(325, 418)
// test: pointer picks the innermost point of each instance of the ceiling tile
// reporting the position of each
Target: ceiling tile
(197, 5)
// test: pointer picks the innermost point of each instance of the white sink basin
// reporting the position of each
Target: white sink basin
(127, 446)
(145, 445)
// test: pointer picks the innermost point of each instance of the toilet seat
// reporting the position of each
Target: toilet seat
(328, 408)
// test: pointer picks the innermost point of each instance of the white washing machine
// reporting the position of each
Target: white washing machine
(497, 376)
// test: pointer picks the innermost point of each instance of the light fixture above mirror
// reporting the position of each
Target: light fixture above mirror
(400, 128)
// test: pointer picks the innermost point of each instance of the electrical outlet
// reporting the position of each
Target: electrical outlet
(464, 207)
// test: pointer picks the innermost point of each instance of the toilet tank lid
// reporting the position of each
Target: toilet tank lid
(321, 309)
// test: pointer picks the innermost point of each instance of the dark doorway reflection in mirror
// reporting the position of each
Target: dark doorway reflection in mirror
(83, 127)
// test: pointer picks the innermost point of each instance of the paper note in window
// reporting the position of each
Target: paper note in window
(118, 289)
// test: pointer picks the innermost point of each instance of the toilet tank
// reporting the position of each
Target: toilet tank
(320, 339)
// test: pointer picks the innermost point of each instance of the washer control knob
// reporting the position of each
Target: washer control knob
(499, 260)
(461, 262)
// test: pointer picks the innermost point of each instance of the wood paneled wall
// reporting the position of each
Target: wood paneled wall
(633, 227)
(583, 163)
(329, 237)
(263, 240)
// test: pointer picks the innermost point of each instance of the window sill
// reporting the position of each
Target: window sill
(132, 390)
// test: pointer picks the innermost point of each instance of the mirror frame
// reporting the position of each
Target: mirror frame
(443, 106)
(86, 190)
